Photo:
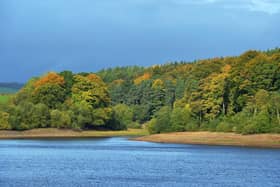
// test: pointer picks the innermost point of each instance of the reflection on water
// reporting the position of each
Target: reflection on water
(121, 162)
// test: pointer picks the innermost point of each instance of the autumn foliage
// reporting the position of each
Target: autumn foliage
(50, 78)
(231, 94)
(94, 78)
(145, 76)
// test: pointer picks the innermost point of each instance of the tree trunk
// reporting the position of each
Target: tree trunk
(200, 117)
(255, 111)
(224, 109)
(278, 115)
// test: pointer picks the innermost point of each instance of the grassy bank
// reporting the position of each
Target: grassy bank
(66, 133)
(214, 138)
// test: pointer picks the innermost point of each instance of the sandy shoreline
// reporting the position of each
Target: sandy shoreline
(216, 138)
(67, 133)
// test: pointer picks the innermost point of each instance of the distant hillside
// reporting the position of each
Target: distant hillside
(10, 87)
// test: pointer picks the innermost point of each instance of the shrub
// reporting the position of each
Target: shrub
(250, 129)
(224, 127)
(134, 125)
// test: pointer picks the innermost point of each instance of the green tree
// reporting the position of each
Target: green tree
(181, 119)
(90, 89)
(25, 94)
(51, 95)
(40, 116)
(123, 114)
(101, 116)
(60, 119)
(68, 78)
(4, 121)
(82, 115)
(161, 121)
(258, 124)
(275, 105)
(260, 102)
(215, 94)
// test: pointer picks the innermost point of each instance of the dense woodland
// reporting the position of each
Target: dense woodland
(229, 94)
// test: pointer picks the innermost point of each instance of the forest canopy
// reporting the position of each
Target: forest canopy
(230, 94)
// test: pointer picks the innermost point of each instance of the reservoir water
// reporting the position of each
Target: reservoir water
(122, 162)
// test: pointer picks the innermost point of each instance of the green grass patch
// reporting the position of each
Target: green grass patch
(68, 133)
(4, 99)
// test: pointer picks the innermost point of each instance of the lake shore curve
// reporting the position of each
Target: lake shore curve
(215, 138)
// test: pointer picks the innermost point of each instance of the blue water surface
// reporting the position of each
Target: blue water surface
(122, 162)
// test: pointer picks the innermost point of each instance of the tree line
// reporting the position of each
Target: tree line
(63, 100)
(230, 94)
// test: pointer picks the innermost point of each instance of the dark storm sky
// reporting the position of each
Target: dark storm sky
(37, 36)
